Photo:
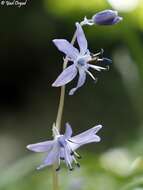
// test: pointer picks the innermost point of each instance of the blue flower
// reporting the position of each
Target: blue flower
(81, 61)
(63, 147)
(106, 17)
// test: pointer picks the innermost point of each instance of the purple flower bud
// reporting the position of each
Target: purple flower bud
(107, 17)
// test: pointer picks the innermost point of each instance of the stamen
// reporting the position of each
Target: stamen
(78, 165)
(70, 168)
(62, 158)
(77, 155)
(106, 60)
(73, 152)
(97, 54)
(57, 169)
(107, 68)
(90, 74)
(96, 80)
(93, 59)
(100, 59)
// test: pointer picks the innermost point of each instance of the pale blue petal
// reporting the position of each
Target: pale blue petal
(62, 155)
(68, 132)
(53, 157)
(62, 141)
(45, 146)
(86, 137)
(67, 48)
(81, 81)
(68, 157)
(66, 76)
(81, 39)
(65, 153)
(117, 20)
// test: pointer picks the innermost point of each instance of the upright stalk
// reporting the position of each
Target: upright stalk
(55, 178)
(59, 117)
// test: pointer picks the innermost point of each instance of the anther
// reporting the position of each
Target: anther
(97, 54)
(71, 169)
(57, 169)
(62, 158)
(77, 155)
(78, 165)
(72, 153)
(109, 61)
(95, 59)
(96, 80)
(106, 60)
(107, 67)
(101, 51)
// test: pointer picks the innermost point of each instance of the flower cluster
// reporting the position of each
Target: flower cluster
(63, 147)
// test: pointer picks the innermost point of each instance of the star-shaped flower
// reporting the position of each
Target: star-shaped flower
(81, 60)
(63, 147)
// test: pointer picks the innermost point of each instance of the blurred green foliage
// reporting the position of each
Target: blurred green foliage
(100, 173)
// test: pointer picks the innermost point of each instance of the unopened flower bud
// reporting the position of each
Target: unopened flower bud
(107, 17)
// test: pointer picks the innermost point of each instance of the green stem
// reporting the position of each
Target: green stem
(55, 178)
(59, 117)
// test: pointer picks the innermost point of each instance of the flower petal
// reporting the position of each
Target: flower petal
(67, 48)
(117, 20)
(68, 132)
(85, 137)
(55, 130)
(81, 81)
(45, 146)
(66, 76)
(65, 153)
(81, 39)
(68, 157)
(52, 157)
(62, 155)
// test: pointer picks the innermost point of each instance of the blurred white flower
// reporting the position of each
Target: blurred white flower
(120, 162)
(124, 5)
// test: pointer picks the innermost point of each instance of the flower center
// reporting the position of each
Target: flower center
(81, 61)
(62, 140)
